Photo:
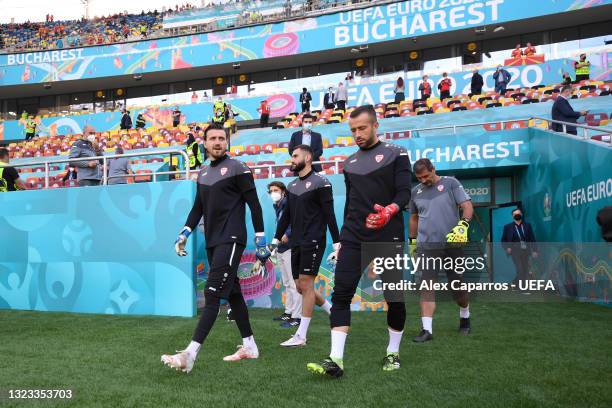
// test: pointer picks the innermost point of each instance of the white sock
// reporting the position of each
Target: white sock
(193, 348)
(303, 328)
(250, 343)
(337, 344)
(427, 323)
(464, 312)
(327, 307)
(395, 339)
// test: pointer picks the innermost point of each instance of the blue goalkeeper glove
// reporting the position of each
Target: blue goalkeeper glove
(261, 248)
(181, 241)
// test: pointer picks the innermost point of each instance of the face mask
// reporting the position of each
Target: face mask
(275, 196)
(91, 138)
(71, 168)
(518, 217)
(306, 126)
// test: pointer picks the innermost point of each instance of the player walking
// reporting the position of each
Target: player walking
(378, 179)
(309, 211)
(434, 211)
(224, 187)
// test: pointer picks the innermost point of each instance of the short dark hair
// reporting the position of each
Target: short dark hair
(369, 109)
(4, 152)
(278, 184)
(305, 148)
(213, 126)
(565, 88)
(422, 164)
(307, 116)
(517, 209)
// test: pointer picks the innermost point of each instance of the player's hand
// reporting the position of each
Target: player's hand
(412, 246)
(284, 240)
(333, 257)
(509, 251)
(181, 241)
(92, 164)
(583, 113)
(534, 255)
(459, 233)
(382, 216)
(261, 249)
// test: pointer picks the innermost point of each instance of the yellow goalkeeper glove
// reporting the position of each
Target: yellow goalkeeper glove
(412, 246)
(459, 233)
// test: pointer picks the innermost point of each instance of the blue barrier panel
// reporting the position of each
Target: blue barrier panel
(97, 250)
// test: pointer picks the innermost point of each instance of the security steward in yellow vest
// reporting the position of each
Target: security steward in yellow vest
(583, 68)
(193, 151)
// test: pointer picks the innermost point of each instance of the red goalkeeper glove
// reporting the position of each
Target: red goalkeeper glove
(382, 216)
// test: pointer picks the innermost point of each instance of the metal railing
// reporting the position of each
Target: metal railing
(271, 167)
(585, 128)
(455, 127)
(47, 163)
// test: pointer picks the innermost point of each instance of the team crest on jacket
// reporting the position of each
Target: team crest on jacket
(379, 158)
(223, 171)
(441, 188)
(308, 183)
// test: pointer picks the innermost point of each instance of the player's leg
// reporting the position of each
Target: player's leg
(347, 276)
(396, 320)
(427, 277)
(184, 359)
(296, 256)
(461, 297)
(284, 264)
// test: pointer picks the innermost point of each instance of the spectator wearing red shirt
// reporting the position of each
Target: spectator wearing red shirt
(530, 50)
(425, 88)
(264, 109)
(517, 52)
(444, 86)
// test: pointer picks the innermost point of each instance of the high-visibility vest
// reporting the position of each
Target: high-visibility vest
(3, 183)
(31, 125)
(219, 106)
(585, 69)
(192, 158)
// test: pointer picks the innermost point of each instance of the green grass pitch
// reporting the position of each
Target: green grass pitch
(519, 354)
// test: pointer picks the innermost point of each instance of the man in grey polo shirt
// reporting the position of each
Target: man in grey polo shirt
(436, 227)
(119, 166)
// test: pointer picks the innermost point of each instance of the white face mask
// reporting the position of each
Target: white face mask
(307, 126)
(91, 138)
(276, 196)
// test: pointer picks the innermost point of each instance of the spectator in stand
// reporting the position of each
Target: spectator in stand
(305, 99)
(308, 137)
(342, 95)
(329, 98)
(89, 170)
(583, 68)
(9, 176)
(425, 88)
(445, 86)
(119, 168)
(264, 110)
(502, 79)
(529, 50)
(567, 79)
(194, 97)
(126, 120)
(140, 121)
(517, 52)
(176, 117)
(399, 90)
(143, 30)
(30, 128)
(477, 83)
(563, 111)
(71, 174)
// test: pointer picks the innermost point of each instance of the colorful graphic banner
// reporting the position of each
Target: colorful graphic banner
(394, 21)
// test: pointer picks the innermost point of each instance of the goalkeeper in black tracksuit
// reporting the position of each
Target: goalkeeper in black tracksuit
(230, 183)
(378, 183)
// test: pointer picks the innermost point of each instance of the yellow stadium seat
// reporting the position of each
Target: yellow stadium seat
(237, 149)
(280, 150)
